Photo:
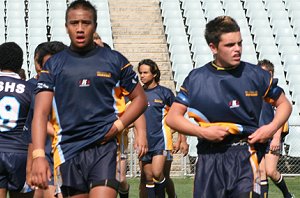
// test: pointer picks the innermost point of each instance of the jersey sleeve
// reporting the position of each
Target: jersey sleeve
(128, 78)
(273, 92)
(183, 94)
(45, 82)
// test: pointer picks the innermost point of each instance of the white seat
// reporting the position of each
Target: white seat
(177, 40)
(251, 58)
(277, 5)
(291, 59)
(264, 40)
(202, 59)
(184, 69)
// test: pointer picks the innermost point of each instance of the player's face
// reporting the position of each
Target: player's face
(80, 27)
(145, 74)
(228, 52)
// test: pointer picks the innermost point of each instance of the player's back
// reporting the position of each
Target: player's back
(15, 99)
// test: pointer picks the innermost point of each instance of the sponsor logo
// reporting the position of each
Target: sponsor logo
(84, 83)
(234, 104)
(158, 101)
(104, 74)
(251, 93)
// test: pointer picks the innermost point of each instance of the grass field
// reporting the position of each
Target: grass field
(184, 187)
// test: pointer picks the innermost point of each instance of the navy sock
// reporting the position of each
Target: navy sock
(160, 188)
(150, 190)
(264, 188)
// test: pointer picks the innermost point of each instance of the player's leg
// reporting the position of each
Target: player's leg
(123, 186)
(274, 174)
(142, 187)
(158, 163)
(148, 175)
(2, 193)
(263, 179)
(170, 189)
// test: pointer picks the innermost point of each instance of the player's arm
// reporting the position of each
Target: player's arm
(29, 164)
(283, 111)
(137, 106)
(140, 134)
(275, 143)
(40, 168)
(176, 120)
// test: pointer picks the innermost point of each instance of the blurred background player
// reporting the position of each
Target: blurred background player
(268, 164)
(15, 99)
(159, 135)
(42, 53)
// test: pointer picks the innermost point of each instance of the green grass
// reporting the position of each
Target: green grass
(184, 187)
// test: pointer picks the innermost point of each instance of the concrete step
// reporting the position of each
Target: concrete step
(137, 24)
(134, 8)
(135, 57)
(144, 49)
(126, 16)
(137, 31)
(138, 40)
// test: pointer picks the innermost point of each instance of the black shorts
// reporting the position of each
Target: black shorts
(149, 155)
(95, 166)
(227, 171)
(13, 171)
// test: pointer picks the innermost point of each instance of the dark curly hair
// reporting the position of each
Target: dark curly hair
(48, 48)
(11, 57)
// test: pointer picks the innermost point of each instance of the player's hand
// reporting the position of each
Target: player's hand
(214, 133)
(176, 147)
(40, 173)
(184, 148)
(261, 135)
(141, 146)
(275, 145)
(113, 131)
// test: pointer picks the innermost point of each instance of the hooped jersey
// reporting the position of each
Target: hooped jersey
(87, 88)
(231, 98)
(159, 135)
(15, 99)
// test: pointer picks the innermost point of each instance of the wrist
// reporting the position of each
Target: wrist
(119, 124)
(38, 153)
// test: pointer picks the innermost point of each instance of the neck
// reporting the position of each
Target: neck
(150, 85)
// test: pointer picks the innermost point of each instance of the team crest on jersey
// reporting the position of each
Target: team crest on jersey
(234, 104)
(84, 83)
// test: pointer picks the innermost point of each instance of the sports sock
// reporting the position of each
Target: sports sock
(160, 188)
(124, 194)
(282, 186)
(150, 190)
(264, 188)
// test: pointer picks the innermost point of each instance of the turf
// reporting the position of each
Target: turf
(184, 187)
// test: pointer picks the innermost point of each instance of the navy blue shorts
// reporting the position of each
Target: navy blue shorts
(227, 171)
(95, 166)
(149, 155)
(13, 171)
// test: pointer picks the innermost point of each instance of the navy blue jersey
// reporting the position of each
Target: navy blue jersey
(86, 90)
(15, 99)
(159, 135)
(232, 97)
